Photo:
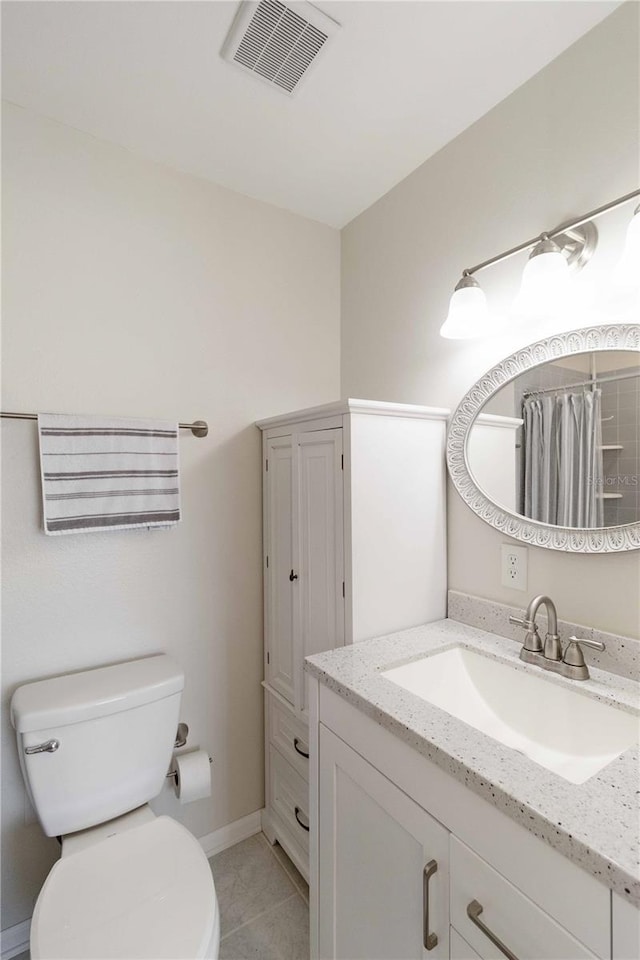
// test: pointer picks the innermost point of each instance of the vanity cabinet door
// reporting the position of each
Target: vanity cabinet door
(375, 900)
(280, 560)
(304, 555)
(321, 548)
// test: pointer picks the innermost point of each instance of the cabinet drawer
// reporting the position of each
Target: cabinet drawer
(459, 949)
(526, 930)
(626, 929)
(289, 735)
(289, 797)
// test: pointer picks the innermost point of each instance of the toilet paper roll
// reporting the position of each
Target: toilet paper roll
(193, 776)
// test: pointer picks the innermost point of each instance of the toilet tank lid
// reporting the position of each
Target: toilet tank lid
(76, 697)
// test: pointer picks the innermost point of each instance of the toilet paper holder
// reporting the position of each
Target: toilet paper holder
(182, 734)
(172, 775)
(181, 741)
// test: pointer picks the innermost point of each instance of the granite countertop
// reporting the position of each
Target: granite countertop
(594, 824)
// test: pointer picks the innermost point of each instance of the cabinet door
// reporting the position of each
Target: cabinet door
(321, 548)
(280, 547)
(374, 845)
(626, 929)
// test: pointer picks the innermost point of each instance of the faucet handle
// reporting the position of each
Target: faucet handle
(520, 622)
(574, 656)
(532, 641)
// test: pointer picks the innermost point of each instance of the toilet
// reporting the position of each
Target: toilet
(95, 748)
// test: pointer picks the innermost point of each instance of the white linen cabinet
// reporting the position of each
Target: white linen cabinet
(354, 547)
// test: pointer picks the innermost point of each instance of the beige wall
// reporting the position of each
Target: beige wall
(132, 290)
(565, 142)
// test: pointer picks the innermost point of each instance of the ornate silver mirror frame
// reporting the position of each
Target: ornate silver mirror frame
(577, 540)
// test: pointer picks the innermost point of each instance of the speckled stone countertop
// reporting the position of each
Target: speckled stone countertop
(595, 824)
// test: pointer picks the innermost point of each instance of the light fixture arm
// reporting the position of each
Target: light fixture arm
(557, 231)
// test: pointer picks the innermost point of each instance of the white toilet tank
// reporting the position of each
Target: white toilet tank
(115, 728)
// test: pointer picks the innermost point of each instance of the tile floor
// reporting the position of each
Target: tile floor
(264, 903)
(264, 912)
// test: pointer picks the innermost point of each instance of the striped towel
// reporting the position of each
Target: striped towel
(100, 474)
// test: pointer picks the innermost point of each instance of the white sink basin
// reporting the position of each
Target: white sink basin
(565, 731)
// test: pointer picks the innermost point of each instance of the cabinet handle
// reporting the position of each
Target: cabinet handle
(297, 748)
(430, 940)
(473, 912)
(293, 576)
(303, 825)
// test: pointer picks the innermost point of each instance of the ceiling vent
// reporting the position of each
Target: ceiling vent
(278, 42)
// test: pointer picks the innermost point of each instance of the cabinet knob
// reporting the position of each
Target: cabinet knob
(293, 576)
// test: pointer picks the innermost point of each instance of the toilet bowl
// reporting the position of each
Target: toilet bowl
(94, 748)
(143, 891)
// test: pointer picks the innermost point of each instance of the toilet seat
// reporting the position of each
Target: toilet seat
(144, 894)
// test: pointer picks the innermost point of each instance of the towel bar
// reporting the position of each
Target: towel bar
(199, 428)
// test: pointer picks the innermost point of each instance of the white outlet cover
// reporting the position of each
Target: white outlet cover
(514, 566)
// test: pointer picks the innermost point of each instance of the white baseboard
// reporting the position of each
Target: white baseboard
(233, 833)
(15, 940)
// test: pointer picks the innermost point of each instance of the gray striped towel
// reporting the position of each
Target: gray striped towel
(100, 474)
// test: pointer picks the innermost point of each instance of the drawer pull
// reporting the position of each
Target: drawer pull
(297, 748)
(430, 940)
(473, 912)
(303, 825)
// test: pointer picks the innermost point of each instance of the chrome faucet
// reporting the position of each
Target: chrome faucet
(550, 656)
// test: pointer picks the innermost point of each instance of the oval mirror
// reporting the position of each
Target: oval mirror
(546, 445)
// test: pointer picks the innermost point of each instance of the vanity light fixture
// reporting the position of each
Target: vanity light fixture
(627, 273)
(546, 276)
(545, 279)
(468, 311)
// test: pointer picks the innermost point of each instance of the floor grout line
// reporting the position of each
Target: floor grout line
(282, 865)
(304, 894)
(273, 906)
(259, 916)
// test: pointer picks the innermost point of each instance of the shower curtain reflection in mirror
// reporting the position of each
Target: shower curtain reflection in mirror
(563, 465)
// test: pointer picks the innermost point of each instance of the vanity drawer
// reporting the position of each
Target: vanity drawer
(289, 797)
(459, 949)
(525, 929)
(289, 735)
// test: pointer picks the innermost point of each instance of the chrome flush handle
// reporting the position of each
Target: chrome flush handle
(49, 747)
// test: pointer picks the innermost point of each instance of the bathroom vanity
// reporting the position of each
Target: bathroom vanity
(433, 839)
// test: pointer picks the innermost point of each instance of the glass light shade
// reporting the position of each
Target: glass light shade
(545, 282)
(468, 315)
(627, 272)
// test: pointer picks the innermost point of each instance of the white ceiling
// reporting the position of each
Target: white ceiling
(398, 82)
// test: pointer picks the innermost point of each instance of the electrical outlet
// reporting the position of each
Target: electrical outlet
(514, 567)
